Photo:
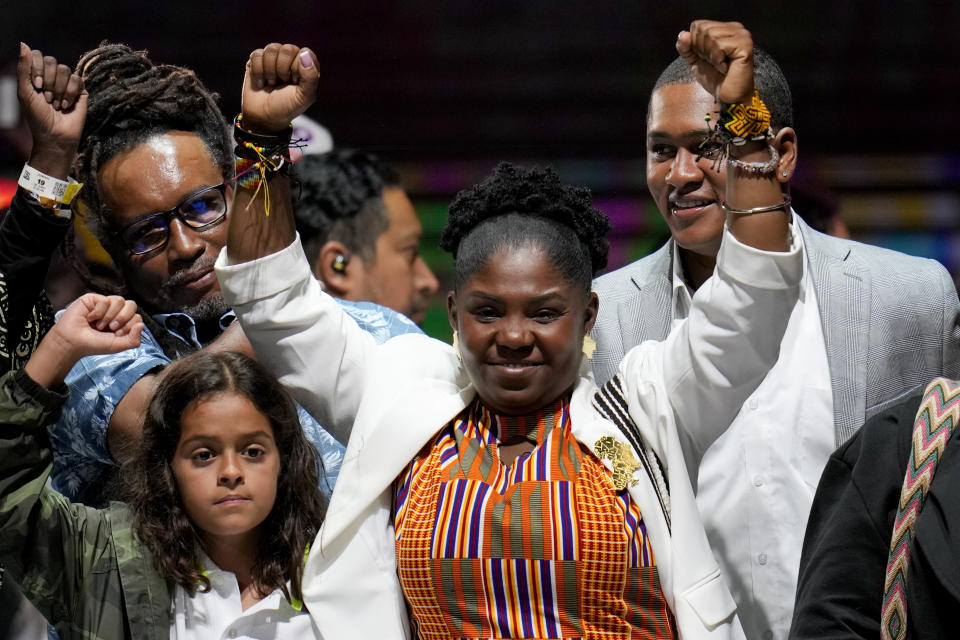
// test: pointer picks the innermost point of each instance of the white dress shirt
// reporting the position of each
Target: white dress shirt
(218, 614)
(757, 481)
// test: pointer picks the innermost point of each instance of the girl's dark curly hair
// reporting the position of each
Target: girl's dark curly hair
(519, 206)
(131, 100)
(159, 516)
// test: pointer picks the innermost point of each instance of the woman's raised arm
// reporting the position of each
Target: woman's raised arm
(296, 329)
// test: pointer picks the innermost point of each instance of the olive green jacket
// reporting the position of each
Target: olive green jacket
(82, 568)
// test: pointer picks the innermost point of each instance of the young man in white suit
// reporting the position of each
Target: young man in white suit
(871, 326)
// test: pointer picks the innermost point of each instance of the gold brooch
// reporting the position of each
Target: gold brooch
(621, 458)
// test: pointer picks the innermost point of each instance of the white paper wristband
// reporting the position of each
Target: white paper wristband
(46, 186)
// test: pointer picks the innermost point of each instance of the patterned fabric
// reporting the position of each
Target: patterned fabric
(936, 420)
(544, 548)
(16, 350)
(98, 383)
(29, 236)
(610, 400)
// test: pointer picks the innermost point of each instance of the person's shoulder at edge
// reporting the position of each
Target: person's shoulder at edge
(879, 259)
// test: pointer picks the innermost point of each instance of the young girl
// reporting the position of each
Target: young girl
(223, 498)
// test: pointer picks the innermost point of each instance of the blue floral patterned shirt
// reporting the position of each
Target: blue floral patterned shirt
(81, 459)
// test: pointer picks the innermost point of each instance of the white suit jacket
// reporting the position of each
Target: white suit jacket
(398, 395)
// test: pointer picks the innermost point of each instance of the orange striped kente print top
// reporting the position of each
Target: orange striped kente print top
(544, 548)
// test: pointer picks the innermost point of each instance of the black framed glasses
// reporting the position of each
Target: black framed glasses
(199, 210)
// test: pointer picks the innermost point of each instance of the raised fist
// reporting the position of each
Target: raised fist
(95, 324)
(92, 324)
(720, 54)
(280, 83)
(52, 99)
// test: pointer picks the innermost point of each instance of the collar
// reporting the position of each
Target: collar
(535, 426)
(680, 292)
(184, 327)
(223, 580)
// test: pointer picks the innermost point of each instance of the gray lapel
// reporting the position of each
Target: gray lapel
(842, 284)
(646, 315)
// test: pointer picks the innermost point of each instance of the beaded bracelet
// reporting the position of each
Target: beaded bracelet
(256, 145)
(246, 173)
(252, 174)
(737, 124)
(252, 161)
(746, 121)
(767, 168)
(257, 154)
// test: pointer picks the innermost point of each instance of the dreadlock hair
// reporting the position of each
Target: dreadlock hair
(517, 206)
(767, 76)
(131, 100)
(341, 198)
(159, 517)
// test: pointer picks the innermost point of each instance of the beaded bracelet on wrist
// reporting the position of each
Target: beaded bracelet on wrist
(256, 155)
(767, 168)
(281, 139)
(738, 123)
(746, 121)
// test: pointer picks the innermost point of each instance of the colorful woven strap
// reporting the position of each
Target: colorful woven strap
(937, 418)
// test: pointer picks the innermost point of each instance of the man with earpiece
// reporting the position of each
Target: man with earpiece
(361, 233)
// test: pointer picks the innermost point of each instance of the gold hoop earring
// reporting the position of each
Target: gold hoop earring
(589, 346)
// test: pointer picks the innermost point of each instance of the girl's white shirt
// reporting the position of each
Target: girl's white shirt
(218, 613)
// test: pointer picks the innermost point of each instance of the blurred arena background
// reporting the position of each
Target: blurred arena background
(444, 90)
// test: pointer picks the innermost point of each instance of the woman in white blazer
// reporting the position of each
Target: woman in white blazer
(492, 541)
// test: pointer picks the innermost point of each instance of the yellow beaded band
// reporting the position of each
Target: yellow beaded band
(746, 121)
(738, 123)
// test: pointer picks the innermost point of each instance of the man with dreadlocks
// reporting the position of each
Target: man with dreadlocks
(157, 162)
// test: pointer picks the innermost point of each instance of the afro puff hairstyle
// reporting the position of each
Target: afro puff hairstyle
(518, 206)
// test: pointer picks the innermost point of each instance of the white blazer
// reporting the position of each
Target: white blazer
(398, 395)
